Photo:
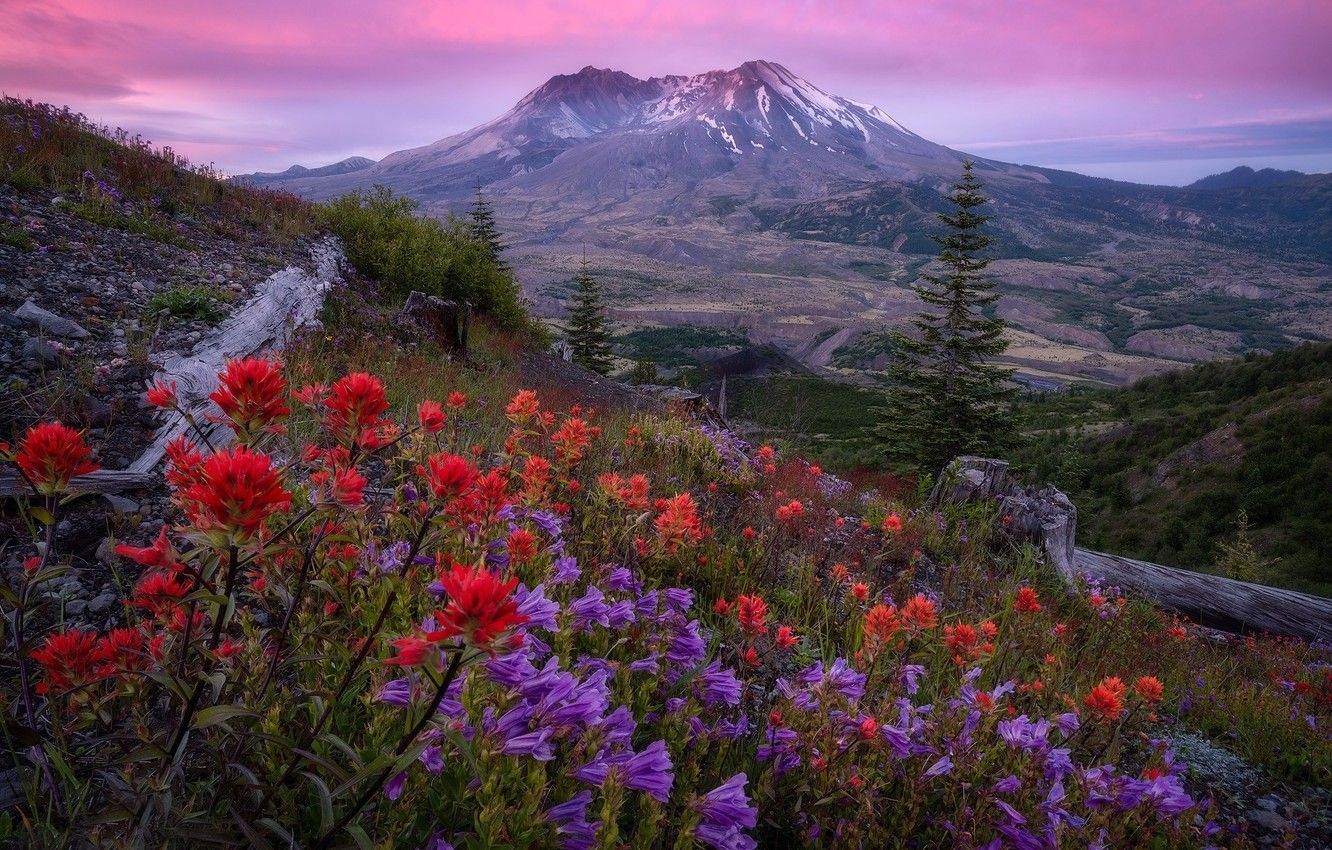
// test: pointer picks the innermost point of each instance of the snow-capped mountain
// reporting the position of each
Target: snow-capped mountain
(605, 134)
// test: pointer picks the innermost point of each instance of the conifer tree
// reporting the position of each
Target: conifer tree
(947, 397)
(484, 230)
(588, 336)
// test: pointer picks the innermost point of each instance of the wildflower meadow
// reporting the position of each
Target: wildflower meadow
(483, 622)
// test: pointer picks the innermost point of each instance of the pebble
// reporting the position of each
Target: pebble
(102, 602)
(50, 322)
(39, 352)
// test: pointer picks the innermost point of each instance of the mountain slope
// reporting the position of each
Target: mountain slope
(751, 198)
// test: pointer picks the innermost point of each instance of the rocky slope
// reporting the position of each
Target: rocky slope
(79, 339)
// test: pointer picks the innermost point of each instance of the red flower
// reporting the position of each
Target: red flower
(750, 656)
(355, 403)
(235, 492)
(457, 401)
(790, 510)
(869, 727)
(839, 573)
(523, 406)
(522, 546)
(122, 649)
(1150, 688)
(155, 555)
(753, 611)
(310, 395)
(228, 648)
(450, 475)
(679, 525)
(432, 416)
(961, 641)
(481, 606)
(50, 454)
(1106, 699)
(721, 606)
(412, 652)
(348, 487)
(860, 591)
(184, 458)
(68, 659)
(162, 394)
(571, 440)
(920, 613)
(785, 638)
(749, 533)
(252, 395)
(892, 523)
(880, 625)
(1026, 601)
(160, 591)
(815, 471)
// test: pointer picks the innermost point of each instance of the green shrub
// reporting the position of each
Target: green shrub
(190, 303)
(386, 241)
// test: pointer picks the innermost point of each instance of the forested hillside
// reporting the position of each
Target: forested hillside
(1161, 470)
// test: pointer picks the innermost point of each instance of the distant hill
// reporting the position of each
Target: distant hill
(278, 179)
(1244, 177)
(1160, 470)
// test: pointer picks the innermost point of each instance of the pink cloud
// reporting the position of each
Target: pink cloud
(391, 74)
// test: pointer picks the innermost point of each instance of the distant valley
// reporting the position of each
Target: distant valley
(752, 201)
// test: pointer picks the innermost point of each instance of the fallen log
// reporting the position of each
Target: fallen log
(101, 481)
(1215, 601)
(282, 303)
(1048, 519)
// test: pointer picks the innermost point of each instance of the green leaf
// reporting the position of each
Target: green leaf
(215, 714)
(278, 830)
(362, 840)
(18, 735)
(251, 835)
(42, 515)
(325, 801)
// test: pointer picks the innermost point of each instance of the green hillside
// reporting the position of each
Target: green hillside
(1162, 469)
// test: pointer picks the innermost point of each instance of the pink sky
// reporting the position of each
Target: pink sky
(1149, 90)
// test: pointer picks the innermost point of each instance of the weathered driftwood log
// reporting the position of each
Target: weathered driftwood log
(283, 302)
(442, 319)
(685, 402)
(101, 481)
(1044, 517)
(1047, 518)
(1216, 601)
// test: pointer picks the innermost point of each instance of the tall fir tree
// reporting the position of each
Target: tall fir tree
(482, 218)
(947, 397)
(588, 336)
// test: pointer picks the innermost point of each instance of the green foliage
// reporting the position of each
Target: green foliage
(387, 242)
(824, 420)
(1164, 467)
(1237, 558)
(15, 237)
(947, 398)
(485, 231)
(190, 303)
(673, 346)
(587, 332)
(643, 372)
